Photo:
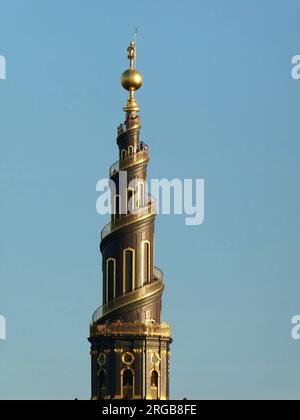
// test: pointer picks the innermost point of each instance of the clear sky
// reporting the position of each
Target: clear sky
(218, 103)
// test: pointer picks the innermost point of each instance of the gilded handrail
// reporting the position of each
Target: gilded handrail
(158, 273)
(114, 168)
(132, 297)
(128, 219)
(130, 160)
(124, 128)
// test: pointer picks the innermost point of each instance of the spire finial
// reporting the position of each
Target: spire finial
(132, 79)
(132, 53)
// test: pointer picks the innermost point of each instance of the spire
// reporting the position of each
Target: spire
(131, 80)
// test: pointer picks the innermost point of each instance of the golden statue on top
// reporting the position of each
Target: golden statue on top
(131, 80)
(131, 53)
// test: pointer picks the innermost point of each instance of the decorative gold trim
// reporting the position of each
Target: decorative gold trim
(101, 370)
(156, 370)
(101, 364)
(128, 353)
(134, 329)
(155, 354)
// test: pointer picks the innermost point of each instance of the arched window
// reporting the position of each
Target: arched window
(130, 150)
(130, 200)
(146, 261)
(128, 270)
(154, 379)
(123, 154)
(154, 385)
(110, 279)
(141, 194)
(102, 385)
(127, 384)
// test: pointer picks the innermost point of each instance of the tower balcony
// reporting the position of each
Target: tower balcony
(130, 218)
(130, 160)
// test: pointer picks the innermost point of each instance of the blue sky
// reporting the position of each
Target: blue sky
(218, 103)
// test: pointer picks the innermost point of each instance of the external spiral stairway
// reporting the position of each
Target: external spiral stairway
(129, 342)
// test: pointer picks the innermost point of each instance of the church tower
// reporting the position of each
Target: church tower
(129, 342)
